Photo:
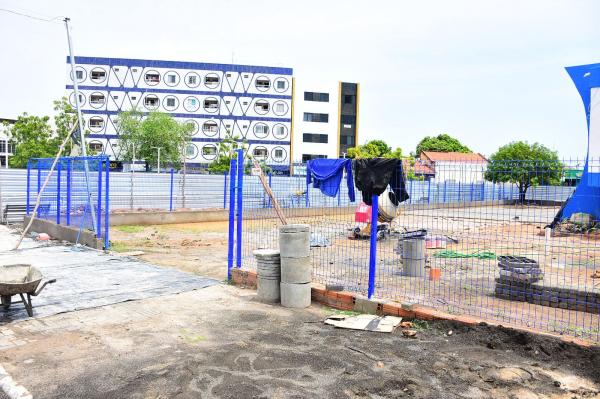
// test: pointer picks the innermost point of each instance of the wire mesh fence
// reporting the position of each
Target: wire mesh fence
(497, 250)
(76, 193)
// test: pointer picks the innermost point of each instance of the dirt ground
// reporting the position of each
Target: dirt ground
(199, 248)
(220, 343)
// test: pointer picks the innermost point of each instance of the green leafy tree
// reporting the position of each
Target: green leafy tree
(441, 143)
(374, 149)
(142, 135)
(33, 136)
(525, 165)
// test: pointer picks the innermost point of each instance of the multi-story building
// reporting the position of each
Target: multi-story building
(258, 104)
(6, 147)
(325, 119)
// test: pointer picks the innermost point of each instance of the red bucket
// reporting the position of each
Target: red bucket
(363, 213)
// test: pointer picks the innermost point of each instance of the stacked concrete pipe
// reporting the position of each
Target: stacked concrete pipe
(268, 272)
(294, 248)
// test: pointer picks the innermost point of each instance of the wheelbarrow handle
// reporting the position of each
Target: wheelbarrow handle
(36, 293)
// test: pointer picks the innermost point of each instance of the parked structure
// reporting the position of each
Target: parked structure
(254, 103)
(456, 166)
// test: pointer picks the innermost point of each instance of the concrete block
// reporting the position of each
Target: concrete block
(294, 241)
(268, 290)
(296, 270)
(295, 295)
(364, 305)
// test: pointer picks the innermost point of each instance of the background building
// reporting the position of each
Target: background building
(282, 119)
(6, 148)
(252, 102)
(455, 166)
(325, 119)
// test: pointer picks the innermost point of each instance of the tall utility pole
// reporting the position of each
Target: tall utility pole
(80, 119)
(158, 162)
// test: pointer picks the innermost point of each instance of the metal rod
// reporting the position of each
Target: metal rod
(80, 121)
(373, 246)
(230, 242)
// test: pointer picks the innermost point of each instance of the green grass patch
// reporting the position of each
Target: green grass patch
(118, 246)
(331, 311)
(131, 229)
(420, 325)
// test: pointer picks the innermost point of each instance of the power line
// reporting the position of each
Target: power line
(31, 16)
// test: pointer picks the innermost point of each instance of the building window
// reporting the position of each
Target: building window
(278, 154)
(79, 74)
(261, 130)
(211, 104)
(152, 78)
(96, 123)
(313, 96)
(211, 80)
(348, 119)
(347, 140)
(312, 117)
(98, 75)
(171, 78)
(262, 83)
(97, 100)
(308, 157)
(314, 138)
(96, 147)
(170, 103)
(281, 84)
(280, 131)
(280, 108)
(209, 151)
(260, 153)
(192, 79)
(191, 104)
(81, 99)
(151, 102)
(349, 99)
(133, 98)
(261, 107)
(210, 128)
(191, 151)
(115, 97)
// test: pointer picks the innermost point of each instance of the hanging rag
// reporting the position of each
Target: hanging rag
(326, 175)
(373, 175)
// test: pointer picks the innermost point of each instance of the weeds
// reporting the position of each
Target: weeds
(130, 229)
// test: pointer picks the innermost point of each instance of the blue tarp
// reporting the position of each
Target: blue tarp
(586, 197)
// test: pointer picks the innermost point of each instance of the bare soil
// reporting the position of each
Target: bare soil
(220, 343)
(199, 248)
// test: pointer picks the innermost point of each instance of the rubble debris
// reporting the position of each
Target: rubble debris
(409, 333)
(366, 322)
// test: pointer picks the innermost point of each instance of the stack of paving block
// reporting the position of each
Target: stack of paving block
(519, 269)
(269, 275)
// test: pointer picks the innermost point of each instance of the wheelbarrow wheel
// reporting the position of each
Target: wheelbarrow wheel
(6, 301)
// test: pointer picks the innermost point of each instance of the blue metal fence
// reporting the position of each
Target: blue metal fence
(65, 199)
(472, 226)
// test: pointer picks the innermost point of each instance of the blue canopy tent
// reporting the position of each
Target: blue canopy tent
(586, 197)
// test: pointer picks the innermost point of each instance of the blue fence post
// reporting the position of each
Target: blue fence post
(224, 189)
(445, 191)
(459, 191)
(99, 201)
(106, 205)
(483, 191)
(39, 184)
(240, 210)
(68, 207)
(58, 193)
(230, 242)
(429, 192)
(171, 193)
(373, 246)
(28, 186)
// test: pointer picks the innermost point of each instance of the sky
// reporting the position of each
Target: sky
(485, 72)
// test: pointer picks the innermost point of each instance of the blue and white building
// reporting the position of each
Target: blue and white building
(252, 102)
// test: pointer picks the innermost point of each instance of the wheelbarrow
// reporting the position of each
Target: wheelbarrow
(22, 280)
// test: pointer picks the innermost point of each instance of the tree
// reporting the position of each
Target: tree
(33, 136)
(142, 135)
(441, 143)
(525, 165)
(374, 149)
(226, 151)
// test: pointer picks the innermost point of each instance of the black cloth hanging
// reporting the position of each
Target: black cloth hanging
(373, 175)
